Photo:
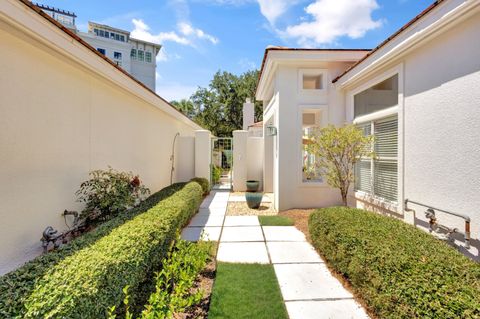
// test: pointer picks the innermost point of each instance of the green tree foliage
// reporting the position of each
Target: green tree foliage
(218, 107)
(186, 107)
(337, 150)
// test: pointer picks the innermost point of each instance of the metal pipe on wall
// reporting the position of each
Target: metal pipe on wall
(463, 216)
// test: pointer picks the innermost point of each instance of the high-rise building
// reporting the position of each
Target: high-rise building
(135, 56)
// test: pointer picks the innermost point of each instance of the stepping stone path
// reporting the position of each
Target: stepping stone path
(308, 288)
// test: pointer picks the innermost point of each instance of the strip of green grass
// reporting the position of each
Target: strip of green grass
(275, 221)
(246, 291)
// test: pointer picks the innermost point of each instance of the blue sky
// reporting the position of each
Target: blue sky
(200, 37)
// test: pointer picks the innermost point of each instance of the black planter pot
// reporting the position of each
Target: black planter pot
(254, 199)
(252, 186)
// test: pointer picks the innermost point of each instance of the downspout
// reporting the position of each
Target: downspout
(172, 158)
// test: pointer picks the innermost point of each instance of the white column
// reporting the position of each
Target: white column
(239, 160)
(202, 153)
(248, 114)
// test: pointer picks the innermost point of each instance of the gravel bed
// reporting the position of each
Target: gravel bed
(241, 209)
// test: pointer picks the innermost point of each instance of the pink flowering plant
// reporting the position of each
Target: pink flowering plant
(109, 192)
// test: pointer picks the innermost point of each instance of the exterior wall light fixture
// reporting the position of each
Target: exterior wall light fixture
(271, 130)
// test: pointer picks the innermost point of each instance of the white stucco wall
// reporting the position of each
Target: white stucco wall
(269, 171)
(240, 160)
(61, 120)
(203, 158)
(185, 162)
(442, 125)
(144, 72)
(248, 113)
(292, 192)
(255, 158)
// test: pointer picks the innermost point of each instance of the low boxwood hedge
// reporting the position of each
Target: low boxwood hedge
(204, 183)
(397, 269)
(86, 276)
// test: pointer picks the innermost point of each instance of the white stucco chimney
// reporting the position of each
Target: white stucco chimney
(248, 114)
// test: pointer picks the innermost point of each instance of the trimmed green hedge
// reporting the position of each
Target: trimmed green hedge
(86, 276)
(204, 183)
(397, 269)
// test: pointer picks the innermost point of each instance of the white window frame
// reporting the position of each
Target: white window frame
(358, 193)
(323, 109)
(312, 72)
(118, 58)
(151, 56)
(399, 109)
(138, 55)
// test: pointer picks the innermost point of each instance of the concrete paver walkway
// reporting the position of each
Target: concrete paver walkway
(308, 288)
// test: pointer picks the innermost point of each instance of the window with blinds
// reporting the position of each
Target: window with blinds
(379, 176)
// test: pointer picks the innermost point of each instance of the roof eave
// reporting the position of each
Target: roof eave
(269, 63)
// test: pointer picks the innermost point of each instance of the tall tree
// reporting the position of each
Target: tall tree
(220, 105)
(186, 107)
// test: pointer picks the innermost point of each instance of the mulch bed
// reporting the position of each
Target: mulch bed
(204, 283)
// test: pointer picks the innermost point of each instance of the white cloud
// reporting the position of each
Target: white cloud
(188, 30)
(273, 9)
(270, 9)
(163, 55)
(142, 32)
(187, 34)
(332, 19)
(226, 2)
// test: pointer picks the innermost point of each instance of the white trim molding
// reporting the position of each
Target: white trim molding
(322, 73)
(399, 110)
(323, 109)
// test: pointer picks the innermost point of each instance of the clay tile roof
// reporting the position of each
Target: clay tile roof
(257, 124)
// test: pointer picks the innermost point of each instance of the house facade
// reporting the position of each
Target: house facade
(65, 110)
(418, 93)
(135, 56)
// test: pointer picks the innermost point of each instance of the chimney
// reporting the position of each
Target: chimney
(248, 114)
